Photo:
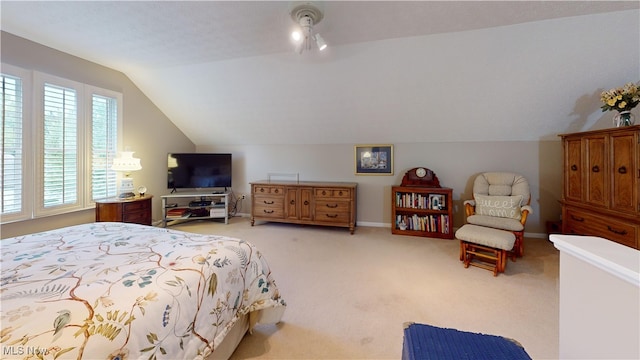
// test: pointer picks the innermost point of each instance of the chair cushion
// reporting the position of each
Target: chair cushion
(494, 238)
(502, 184)
(496, 222)
(500, 206)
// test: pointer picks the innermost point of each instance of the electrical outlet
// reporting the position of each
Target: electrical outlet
(242, 197)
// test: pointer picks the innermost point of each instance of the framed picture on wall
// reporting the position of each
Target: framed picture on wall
(374, 159)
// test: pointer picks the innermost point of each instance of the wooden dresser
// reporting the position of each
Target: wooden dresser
(305, 202)
(602, 184)
(136, 210)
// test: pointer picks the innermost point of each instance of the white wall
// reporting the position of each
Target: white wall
(455, 164)
(599, 298)
(524, 82)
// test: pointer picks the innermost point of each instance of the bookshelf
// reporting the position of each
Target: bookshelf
(420, 207)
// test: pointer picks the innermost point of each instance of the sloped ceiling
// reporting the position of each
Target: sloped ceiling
(225, 72)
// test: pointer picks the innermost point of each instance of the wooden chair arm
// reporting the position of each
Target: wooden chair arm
(523, 218)
(469, 209)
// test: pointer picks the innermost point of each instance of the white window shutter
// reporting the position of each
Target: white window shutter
(60, 146)
(11, 149)
(104, 146)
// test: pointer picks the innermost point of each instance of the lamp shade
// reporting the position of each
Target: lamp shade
(126, 162)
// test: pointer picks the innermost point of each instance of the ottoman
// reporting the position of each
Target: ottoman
(485, 247)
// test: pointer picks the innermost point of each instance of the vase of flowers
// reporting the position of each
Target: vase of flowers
(622, 100)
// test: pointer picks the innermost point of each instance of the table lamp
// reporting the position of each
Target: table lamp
(126, 163)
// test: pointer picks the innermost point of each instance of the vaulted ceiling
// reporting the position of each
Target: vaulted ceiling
(141, 34)
(163, 46)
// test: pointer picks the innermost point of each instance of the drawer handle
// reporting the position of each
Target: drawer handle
(261, 190)
(324, 192)
(622, 169)
(340, 193)
(619, 232)
(595, 168)
(332, 206)
(333, 216)
(306, 202)
(276, 191)
(577, 218)
(292, 202)
(268, 202)
(268, 211)
(574, 167)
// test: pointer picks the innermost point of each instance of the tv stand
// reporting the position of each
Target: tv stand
(201, 205)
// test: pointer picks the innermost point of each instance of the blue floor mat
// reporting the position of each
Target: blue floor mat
(424, 342)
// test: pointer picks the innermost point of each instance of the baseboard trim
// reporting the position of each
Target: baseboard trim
(388, 225)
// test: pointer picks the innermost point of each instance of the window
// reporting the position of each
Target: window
(104, 145)
(76, 132)
(11, 129)
(60, 146)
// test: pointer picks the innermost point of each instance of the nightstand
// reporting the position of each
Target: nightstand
(135, 210)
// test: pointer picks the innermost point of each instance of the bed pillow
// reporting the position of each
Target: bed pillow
(500, 206)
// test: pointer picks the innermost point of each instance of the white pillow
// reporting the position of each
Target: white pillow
(499, 206)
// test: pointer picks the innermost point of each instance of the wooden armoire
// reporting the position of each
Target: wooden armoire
(602, 184)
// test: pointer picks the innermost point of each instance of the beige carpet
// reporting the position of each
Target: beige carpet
(348, 295)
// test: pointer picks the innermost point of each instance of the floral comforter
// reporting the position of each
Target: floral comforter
(127, 291)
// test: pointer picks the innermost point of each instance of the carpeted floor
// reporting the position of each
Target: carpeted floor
(349, 295)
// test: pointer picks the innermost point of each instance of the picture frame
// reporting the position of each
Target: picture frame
(437, 202)
(373, 159)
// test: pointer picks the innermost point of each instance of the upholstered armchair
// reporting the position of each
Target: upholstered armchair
(496, 218)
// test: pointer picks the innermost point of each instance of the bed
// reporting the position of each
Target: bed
(127, 291)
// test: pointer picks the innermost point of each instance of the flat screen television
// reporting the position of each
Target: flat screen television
(198, 171)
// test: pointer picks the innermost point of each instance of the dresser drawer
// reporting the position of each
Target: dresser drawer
(268, 206)
(328, 216)
(332, 211)
(140, 217)
(136, 206)
(333, 193)
(268, 190)
(585, 223)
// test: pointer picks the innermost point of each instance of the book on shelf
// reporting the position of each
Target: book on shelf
(176, 213)
(421, 201)
(429, 223)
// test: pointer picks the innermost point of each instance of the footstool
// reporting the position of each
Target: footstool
(485, 247)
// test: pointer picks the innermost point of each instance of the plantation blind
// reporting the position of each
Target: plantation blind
(11, 159)
(104, 146)
(60, 146)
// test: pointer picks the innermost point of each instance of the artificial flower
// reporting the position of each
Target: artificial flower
(621, 99)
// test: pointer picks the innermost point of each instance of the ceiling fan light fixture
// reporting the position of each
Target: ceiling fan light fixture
(306, 14)
(320, 42)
